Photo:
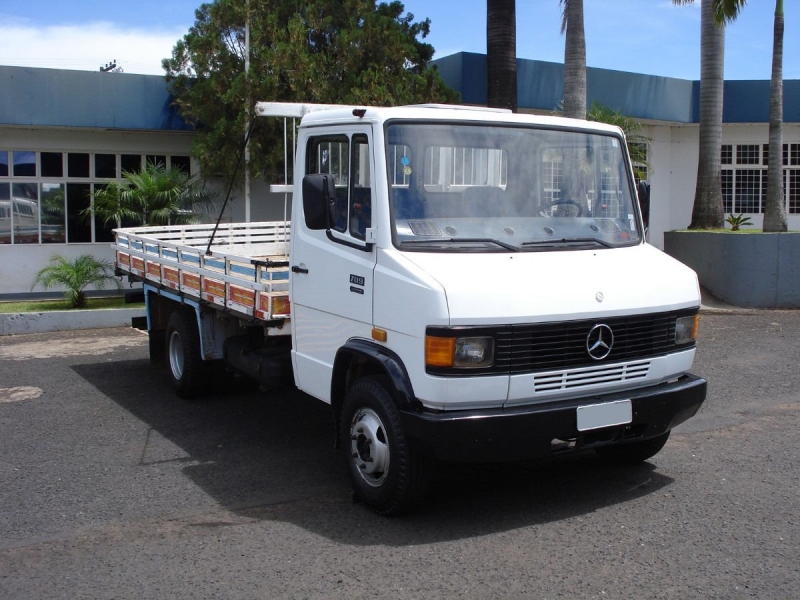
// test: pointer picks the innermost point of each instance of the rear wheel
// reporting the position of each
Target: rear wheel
(387, 475)
(187, 372)
(634, 452)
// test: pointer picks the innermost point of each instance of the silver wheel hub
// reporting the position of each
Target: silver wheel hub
(369, 446)
(176, 355)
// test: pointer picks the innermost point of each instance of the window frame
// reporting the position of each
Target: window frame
(98, 233)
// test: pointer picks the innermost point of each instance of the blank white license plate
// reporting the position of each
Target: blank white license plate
(604, 415)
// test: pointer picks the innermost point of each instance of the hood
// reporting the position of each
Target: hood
(493, 288)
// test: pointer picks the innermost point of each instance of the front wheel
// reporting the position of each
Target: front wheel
(387, 475)
(634, 452)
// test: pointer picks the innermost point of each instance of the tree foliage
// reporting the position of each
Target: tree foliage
(636, 141)
(154, 195)
(75, 275)
(327, 51)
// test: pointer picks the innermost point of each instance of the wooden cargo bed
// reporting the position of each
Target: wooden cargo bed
(246, 270)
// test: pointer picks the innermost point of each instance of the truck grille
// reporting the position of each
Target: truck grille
(577, 378)
(558, 350)
(562, 345)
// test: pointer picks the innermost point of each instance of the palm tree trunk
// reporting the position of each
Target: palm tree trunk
(574, 60)
(501, 54)
(775, 213)
(707, 212)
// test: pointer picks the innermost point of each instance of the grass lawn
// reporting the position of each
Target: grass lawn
(48, 305)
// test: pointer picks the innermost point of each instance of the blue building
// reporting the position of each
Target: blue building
(65, 133)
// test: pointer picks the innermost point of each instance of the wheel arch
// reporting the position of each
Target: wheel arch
(160, 304)
(359, 358)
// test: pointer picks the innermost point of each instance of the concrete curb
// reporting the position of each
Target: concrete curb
(66, 320)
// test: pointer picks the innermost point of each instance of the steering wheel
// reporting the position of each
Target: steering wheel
(571, 208)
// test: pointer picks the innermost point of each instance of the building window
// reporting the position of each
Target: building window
(24, 164)
(794, 155)
(749, 191)
(793, 191)
(52, 164)
(131, 163)
(44, 196)
(54, 224)
(105, 166)
(748, 154)
(156, 159)
(24, 213)
(181, 163)
(744, 177)
(638, 151)
(552, 175)
(727, 190)
(78, 165)
(726, 155)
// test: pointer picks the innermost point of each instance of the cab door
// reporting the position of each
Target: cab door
(332, 270)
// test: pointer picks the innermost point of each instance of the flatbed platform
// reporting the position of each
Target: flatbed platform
(245, 269)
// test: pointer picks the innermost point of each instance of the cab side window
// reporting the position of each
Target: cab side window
(347, 160)
(360, 191)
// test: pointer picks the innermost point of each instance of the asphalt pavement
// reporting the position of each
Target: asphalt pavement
(112, 487)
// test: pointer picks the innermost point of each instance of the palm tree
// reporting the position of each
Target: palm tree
(75, 275)
(707, 212)
(155, 195)
(774, 211)
(574, 59)
(501, 54)
(636, 141)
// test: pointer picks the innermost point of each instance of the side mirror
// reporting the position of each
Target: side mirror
(319, 200)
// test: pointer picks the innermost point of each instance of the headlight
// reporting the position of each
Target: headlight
(474, 352)
(686, 329)
(462, 353)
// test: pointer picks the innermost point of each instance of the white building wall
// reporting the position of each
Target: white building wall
(20, 262)
(673, 155)
(672, 173)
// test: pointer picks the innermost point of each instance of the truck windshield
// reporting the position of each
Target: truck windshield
(480, 188)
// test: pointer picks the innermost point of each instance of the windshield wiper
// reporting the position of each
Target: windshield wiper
(505, 245)
(568, 241)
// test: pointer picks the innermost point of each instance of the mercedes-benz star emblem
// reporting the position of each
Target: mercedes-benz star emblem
(599, 341)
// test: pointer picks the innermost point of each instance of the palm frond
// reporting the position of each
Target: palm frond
(75, 275)
(154, 195)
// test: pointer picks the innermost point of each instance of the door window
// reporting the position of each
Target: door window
(347, 160)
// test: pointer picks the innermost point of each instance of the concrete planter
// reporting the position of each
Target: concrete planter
(57, 320)
(752, 270)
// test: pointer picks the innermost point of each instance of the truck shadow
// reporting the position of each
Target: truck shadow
(269, 456)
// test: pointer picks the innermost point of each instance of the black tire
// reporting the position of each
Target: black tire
(188, 373)
(158, 351)
(387, 475)
(634, 453)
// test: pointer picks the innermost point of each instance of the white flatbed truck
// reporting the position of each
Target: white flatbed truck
(459, 284)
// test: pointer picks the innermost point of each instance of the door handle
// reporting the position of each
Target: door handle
(302, 270)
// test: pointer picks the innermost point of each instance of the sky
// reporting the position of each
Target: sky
(641, 36)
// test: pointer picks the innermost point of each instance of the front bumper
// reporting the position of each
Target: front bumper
(520, 433)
